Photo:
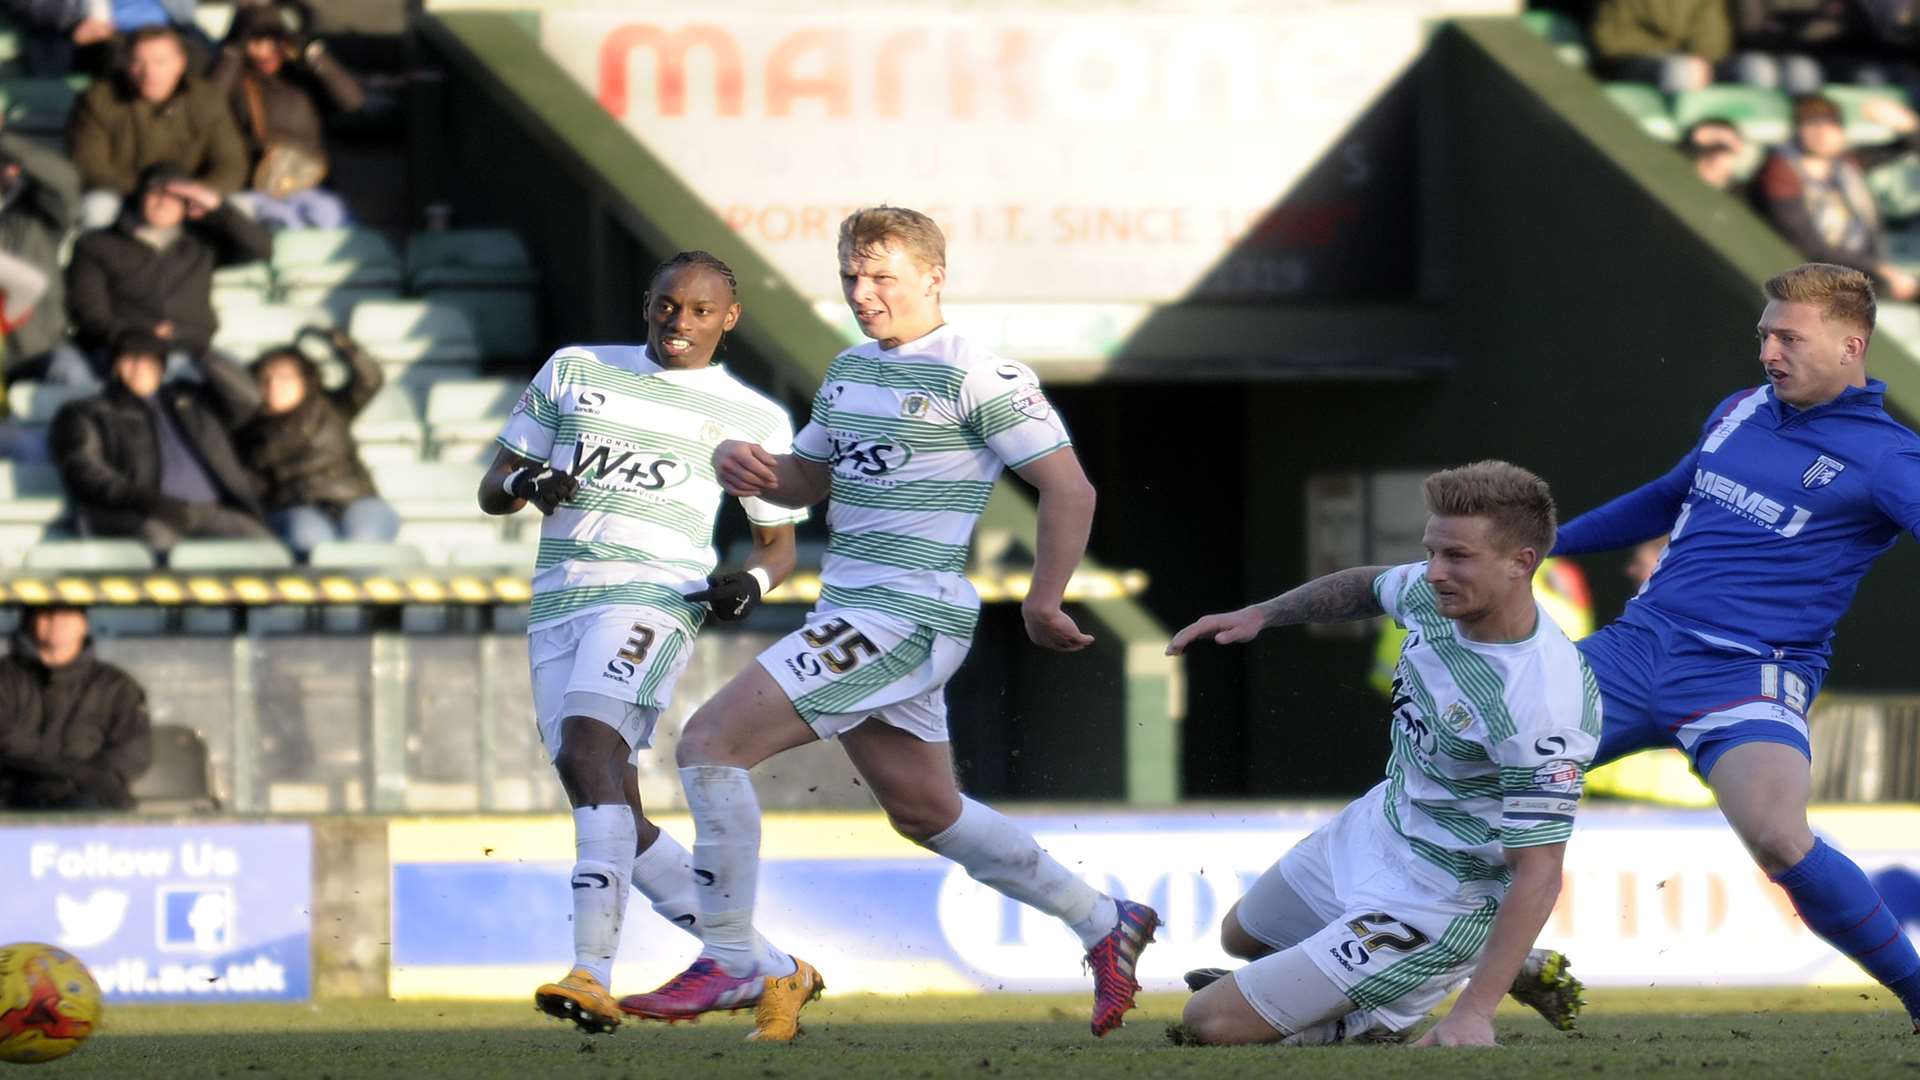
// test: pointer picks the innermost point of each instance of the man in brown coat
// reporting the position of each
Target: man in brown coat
(279, 89)
(74, 732)
(153, 113)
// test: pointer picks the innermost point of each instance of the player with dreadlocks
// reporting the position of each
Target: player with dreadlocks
(614, 444)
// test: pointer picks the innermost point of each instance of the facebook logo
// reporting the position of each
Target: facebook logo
(195, 918)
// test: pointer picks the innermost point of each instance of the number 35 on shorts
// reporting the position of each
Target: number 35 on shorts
(837, 646)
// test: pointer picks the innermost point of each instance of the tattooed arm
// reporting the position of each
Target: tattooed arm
(1338, 597)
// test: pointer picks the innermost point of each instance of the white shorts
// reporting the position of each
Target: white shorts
(850, 665)
(1393, 938)
(616, 665)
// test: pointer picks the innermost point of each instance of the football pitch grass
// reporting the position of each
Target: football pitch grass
(1740, 1034)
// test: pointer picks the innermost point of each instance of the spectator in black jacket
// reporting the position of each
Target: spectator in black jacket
(1814, 189)
(278, 88)
(301, 446)
(74, 732)
(157, 461)
(152, 270)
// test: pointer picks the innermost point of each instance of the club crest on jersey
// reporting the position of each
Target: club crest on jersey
(1821, 472)
(1457, 717)
(915, 406)
(712, 434)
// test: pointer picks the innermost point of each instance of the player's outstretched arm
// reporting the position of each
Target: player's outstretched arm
(1529, 900)
(1060, 539)
(1341, 596)
(733, 595)
(513, 481)
(749, 470)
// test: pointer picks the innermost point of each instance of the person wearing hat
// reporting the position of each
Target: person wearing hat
(276, 86)
(152, 270)
(155, 460)
(1814, 189)
(151, 111)
(74, 731)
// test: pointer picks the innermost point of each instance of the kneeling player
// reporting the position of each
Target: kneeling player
(612, 443)
(1450, 866)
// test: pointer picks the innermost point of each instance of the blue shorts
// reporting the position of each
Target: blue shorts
(1665, 687)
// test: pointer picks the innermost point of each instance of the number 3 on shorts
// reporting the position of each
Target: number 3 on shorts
(1375, 931)
(846, 657)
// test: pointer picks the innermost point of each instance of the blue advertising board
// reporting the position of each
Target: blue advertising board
(168, 913)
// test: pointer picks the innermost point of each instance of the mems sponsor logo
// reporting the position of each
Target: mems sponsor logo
(1755, 506)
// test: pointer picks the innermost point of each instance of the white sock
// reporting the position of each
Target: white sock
(664, 874)
(603, 839)
(726, 862)
(1003, 856)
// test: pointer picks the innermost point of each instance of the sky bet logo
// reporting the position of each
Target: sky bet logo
(1752, 505)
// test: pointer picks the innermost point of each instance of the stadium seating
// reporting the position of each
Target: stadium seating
(179, 781)
(237, 288)
(249, 330)
(389, 430)
(1647, 106)
(229, 555)
(512, 557)
(89, 555)
(464, 416)
(487, 274)
(363, 555)
(1764, 115)
(334, 269)
(39, 106)
(1561, 32)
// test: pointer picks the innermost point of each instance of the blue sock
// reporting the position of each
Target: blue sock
(1836, 901)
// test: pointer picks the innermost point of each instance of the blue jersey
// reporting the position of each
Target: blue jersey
(1773, 516)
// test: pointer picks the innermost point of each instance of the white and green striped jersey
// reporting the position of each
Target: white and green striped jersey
(1491, 741)
(915, 438)
(639, 438)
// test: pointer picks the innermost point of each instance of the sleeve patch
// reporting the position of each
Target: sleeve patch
(1561, 775)
(1030, 402)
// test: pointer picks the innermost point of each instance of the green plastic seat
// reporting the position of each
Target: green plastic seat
(39, 106)
(1647, 106)
(1851, 99)
(364, 555)
(468, 258)
(1765, 116)
(1561, 32)
(35, 403)
(229, 555)
(89, 555)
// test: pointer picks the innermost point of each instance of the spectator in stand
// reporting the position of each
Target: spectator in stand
(1778, 40)
(155, 461)
(152, 271)
(74, 733)
(1673, 44)
(66, 36)
(39, 191)
(1715, 147)
(275, 86)
(301, 446)
(151, 112)
(1814, 189)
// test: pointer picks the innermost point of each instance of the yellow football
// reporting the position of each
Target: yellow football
(49, 1003)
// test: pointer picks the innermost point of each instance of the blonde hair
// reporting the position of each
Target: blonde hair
(1517, 501)
(1842, 293)
(875, 228)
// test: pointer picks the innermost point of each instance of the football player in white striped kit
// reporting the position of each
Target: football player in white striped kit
(614, 443)
(1446, 870)
(908, 434)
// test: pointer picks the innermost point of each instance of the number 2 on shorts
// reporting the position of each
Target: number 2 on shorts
(846, 657)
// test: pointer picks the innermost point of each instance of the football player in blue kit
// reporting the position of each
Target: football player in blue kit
(1774, 515)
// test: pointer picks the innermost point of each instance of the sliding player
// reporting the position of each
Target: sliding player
(1772, 518)
(1449, 867)
(613, 444)
(908, 434)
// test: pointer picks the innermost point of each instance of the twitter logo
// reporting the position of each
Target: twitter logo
(89, 922)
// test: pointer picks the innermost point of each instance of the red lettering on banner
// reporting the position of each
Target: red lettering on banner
(888, 93)
(785, 85)
(670, 65)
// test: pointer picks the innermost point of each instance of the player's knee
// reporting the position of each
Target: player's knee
(1779, 845)
(1207, 1024)
(589, 774)
(916, 823)
(699, 741)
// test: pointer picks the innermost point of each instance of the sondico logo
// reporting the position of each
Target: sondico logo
(1755, 506)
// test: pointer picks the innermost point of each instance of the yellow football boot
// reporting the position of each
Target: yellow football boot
(777, 1017)
(580, 998)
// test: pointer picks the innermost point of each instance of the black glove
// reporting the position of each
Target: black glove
(544, 487)
(730, 596)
